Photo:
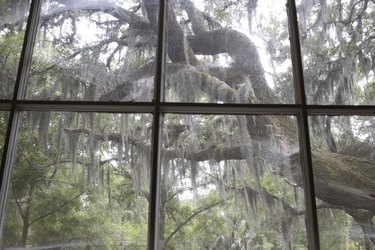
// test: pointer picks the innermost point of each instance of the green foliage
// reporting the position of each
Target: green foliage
(336, 229)
(10, 52)
(50, 205)
(82, 180)
(3, 128)
(223, 11)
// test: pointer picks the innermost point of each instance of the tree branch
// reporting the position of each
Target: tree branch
(55, 210)
(199, 211)
(112, 9)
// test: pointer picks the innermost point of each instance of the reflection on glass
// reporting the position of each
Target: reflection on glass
(228, 52)
(94, 51)
(3, 128)
(344, 176)
(228, 183)
(80, 181)
(13, 17)
(338, 51)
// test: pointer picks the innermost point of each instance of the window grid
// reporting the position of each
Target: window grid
(153, 230)
(158, 108)
(15, 111)
(303, 130)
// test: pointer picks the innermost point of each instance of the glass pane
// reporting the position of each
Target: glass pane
(344, 174)
(94, 51)
(228, 52)
(80, 181)
(228, 183)
(13, 18)
(4, 116)
(337, 42)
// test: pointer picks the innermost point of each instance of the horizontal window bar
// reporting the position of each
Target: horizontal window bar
(231, 109)
(201, 108)
(340, 110)
(5, 106)
(85, 106)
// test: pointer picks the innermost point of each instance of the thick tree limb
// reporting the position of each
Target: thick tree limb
(115, 137)
(190, 79)
(196, 17)
(112, 9)
(244, 53)
(185, 78)
(340, 180)
(179, 51)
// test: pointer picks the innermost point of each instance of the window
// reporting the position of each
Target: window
(188, 124)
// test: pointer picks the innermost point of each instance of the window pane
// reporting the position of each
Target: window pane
(227, 183)
(94, 51)
(228, 52)
(13, 18)
(3, 128)
(80, 180)
(344, 175)
(337, 41)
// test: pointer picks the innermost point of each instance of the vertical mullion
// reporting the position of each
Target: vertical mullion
(308, 181)
(15, 112)
(304, 137)
(154, 229)
(296, 55)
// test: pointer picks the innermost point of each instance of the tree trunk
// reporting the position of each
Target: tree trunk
(163, 200)
(26, 218)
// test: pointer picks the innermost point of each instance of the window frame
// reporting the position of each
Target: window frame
(158, 108)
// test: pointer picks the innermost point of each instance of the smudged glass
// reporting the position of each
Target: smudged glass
(4, 116)
(338, 51)
(344, 176)
(80, 180)
(94, 51)
(228, 52)
(228, 181)
(13, 18)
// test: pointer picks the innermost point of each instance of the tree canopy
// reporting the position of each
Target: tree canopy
(82, 180)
